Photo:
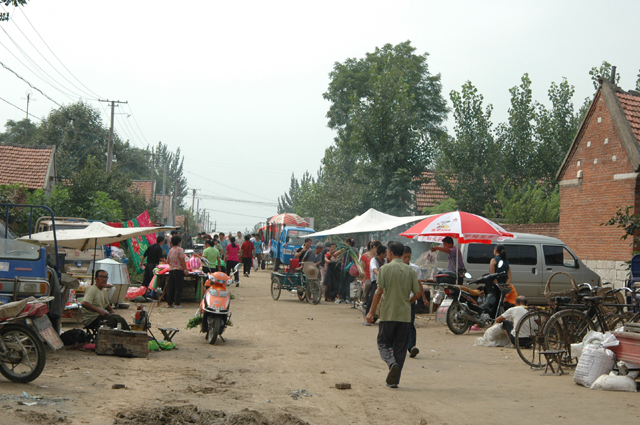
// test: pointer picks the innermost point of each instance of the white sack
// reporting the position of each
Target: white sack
(593, 363)
(494, 337)
(614, 383)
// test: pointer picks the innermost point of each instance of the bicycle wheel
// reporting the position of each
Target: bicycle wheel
(565, 328)
(615, 321)
(529, 339)
(276, 288)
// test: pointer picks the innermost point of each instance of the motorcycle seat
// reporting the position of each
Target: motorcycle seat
(593, 299)
(562, 300)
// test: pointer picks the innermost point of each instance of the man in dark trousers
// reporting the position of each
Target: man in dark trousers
(397, 281)
(153, 254)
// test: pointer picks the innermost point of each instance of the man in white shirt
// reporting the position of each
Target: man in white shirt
(374, 267)
(511, 318)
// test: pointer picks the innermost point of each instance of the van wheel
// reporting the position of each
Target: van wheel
(456, 324)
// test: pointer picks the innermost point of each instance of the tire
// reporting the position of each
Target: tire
(276, 288)
(14, 365)
(212, 332)
(276, 264)
(302, 295)
(565, 328)
(457, 325)
(529, 340)
(314, 292)
(614, 321)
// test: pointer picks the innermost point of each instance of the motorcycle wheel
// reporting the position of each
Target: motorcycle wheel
(457, 325)
(25, 356)
(212, 332)
(276, 288)
(217, 327)
(313, 291)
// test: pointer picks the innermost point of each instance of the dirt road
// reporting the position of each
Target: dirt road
(277, 347)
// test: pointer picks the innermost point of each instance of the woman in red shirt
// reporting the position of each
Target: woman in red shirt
(246, 251)
(231, 258)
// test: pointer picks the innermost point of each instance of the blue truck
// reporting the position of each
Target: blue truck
(284, 241)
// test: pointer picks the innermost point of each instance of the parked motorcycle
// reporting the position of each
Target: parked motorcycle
(214, 306)
(24, 326)
(465, 310)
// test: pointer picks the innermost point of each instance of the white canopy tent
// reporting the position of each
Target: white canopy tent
(95, 234)
(370, 221)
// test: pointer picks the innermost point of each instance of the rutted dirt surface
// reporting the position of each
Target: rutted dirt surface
(279, 365)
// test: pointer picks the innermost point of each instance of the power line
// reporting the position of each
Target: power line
(243, 201)
(17, 107)
(37, 66)
(136, 121)
(30, 85)
(208, 179)
(45, 43)
(46, 60)
(235, 213)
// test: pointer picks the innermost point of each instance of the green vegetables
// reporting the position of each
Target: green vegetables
(194, 321)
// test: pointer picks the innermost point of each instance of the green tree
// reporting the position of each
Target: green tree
(175, 172)
(603, 71)
(555, 129)
(531, 203)
(287, 202)
(387, 110)
(445, 206)
(15, 132)
(15, 3)
(468, 165)
(517, 136)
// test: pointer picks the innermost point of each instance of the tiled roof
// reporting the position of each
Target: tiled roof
(631, 105)
(145, 187)
(26, 165)
(429, 194)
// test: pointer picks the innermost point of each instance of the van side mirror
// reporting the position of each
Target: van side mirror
(467, 275)
(500, 263)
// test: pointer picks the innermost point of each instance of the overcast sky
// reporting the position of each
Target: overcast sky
(237, 86)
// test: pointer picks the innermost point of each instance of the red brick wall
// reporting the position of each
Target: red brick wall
(546, 229)
(595, 200)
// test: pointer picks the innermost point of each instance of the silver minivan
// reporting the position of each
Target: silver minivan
(533, 259)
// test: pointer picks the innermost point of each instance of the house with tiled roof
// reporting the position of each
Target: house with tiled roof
(145, 187)
(598, 175)
(429, 194)
(31, 166)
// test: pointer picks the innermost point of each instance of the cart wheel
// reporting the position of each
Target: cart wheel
(276, 288)
(313, 291)
(565, 328)
(529, 339)
(302, 294)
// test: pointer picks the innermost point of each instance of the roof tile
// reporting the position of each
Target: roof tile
(631, 105)
(26, 165)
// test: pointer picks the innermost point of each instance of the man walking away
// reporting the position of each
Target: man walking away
(406, 258)
(397, 281)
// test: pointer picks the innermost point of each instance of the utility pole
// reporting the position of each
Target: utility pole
(164, 185)
(193, 200)
(26, 127)
(175, 201)
(198, 214)
(153, 172)
(110, 145)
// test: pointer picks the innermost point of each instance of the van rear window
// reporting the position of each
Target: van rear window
(525, 255)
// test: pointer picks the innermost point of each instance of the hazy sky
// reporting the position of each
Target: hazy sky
(237, 86)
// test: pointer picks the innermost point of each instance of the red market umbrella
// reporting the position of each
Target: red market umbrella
(289, 220)
(464, 226)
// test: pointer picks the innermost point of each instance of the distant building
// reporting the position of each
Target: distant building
(598, 175)
(429, 194)
(31, 166)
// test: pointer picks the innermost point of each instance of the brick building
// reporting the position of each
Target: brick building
(31, 166)
(599, 174)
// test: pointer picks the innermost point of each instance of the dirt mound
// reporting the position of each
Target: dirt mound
(190, 414)
(41, 418)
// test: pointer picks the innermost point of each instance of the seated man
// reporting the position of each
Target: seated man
(512, 317)
(96, 309)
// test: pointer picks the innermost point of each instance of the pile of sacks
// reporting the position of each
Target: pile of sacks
(596, 361)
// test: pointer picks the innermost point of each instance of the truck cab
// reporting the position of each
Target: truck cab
(285, 242)
(76, 262)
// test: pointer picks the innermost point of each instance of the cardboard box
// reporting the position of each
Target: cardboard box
(113, 342)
